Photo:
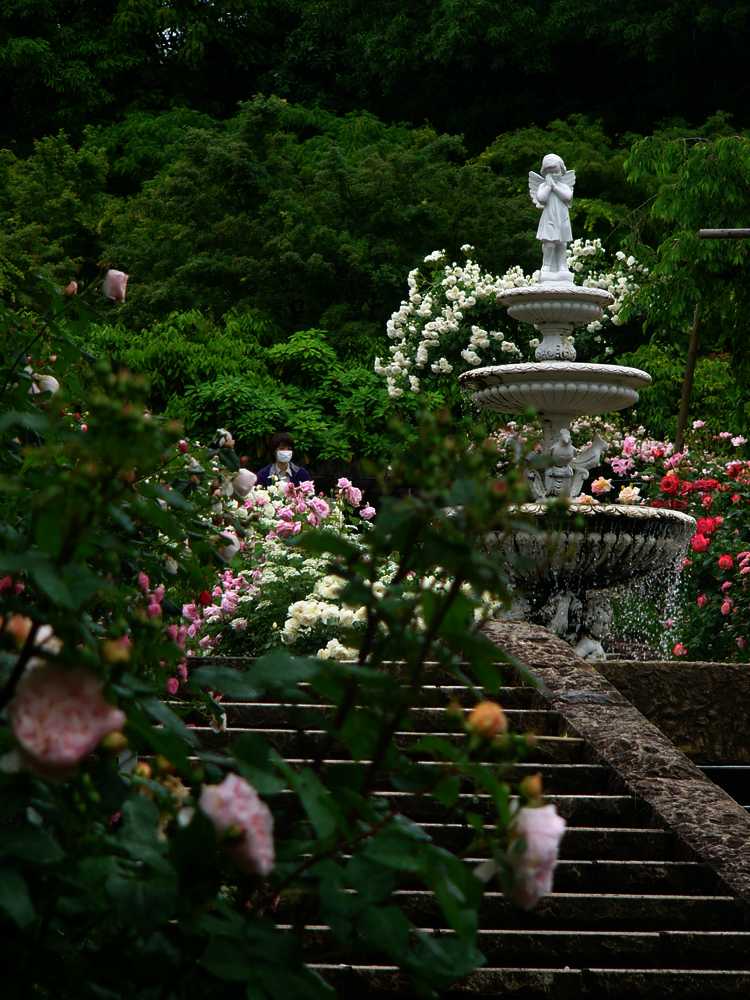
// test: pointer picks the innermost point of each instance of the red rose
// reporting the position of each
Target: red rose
(670, 484)
(725, 561)
(699, 543)
(204, 598)
(734, 469)
(706, 525)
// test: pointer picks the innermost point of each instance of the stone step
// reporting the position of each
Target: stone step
(516, 947)
(578, 810)
(682, 878)
(439, 695)
(733, 778)
(559, 779)
(296, 742)
(583, 842)
(278, 715)
(544, 983)
(572, 911)
(590, 911)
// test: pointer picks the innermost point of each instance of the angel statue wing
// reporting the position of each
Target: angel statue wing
(590, 457)
(535, 180)
(569, 178)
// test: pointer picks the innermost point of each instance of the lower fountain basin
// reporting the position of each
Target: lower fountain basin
(591, 547)
(564, 388)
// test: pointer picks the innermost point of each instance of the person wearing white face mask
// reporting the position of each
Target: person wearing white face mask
(283, 469)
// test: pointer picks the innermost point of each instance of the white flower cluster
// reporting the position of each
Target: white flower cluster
(429, 329)
(620, 276)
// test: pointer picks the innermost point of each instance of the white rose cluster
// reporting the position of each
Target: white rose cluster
(428, 329)
(620, 276)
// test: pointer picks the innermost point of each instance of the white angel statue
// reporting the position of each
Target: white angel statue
(552, 191)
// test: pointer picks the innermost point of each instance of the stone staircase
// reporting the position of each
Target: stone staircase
(634, 911)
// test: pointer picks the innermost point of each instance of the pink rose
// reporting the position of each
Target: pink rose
(143, 582)
(701, 600)
(726, 607)
(115, 285)
(541, 831)
(368, 513)
(284, 528)
(59, 715)
(173, 685)
(697, 424)
(628, 445)
(679, 649)
(234, 806)
(320, 507)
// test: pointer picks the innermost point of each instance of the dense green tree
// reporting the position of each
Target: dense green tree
(477, 67)
(316, 218)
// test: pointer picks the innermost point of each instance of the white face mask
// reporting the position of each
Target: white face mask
(283, 456)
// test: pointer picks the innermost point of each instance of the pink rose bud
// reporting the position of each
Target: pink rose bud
(84, 428)
(182, 446)
(243, 482)
(115, 285)
(679, 649)
(726, 607)
(71, 288)
(234, 806)
(143, 581)
(173, 685)
(59, 715)
(701, 600)
(540, 830)
(153, 610)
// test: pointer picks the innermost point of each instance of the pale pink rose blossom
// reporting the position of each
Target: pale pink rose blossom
(235, 806)
(541, 831)
(368, 512)
(231, 545)
(59, 715)
(115, 285)
(628, 445)
(739, 440)
(320, 507)
(697, 424)
(243, 482)
(601, 485)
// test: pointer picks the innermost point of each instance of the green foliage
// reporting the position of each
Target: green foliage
(50, 205)
(696, 180)
(718, 397)
(232, 374)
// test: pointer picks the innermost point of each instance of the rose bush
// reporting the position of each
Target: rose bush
(709, 479)
(146, 864)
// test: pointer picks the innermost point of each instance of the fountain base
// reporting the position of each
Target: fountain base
(564, 560)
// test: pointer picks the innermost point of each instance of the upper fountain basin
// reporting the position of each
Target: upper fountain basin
(562, 387)
(558, 303)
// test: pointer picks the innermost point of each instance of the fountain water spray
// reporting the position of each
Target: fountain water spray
(562, 566)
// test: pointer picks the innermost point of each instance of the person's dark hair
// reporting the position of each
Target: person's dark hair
(281, 439)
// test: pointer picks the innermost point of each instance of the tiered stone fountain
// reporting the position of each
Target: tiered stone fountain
(566, 560)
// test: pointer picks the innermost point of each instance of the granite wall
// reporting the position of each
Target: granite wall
(704, 708)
